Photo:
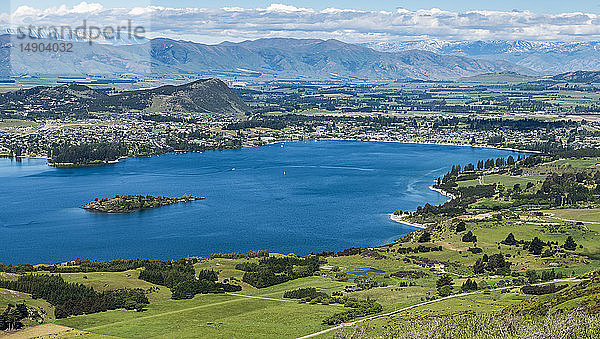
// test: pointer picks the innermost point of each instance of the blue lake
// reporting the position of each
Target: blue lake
(302, 197)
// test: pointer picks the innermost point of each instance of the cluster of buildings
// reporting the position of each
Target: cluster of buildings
(196, 132)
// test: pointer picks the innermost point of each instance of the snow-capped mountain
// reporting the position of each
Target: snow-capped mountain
(542, 56)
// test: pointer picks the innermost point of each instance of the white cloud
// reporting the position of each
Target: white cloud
(279, 20)
(286, 9)
(84, 7)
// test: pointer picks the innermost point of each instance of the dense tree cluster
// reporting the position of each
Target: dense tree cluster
(536, 246)
(543, 276)
(579, 153)
(469, 237)
(570, 244)
(73, 298)
(11, 318)
(516, 124)
(424, 237)
(469, 285)
(570, 188)
(78, 265)
(180, 278)
(189, 288)
(495, 263)
(418, 249)
(357, 309)
(166, 273)
(510, 240)
(362, 251)
(444, 285)
(249, 255)
(302, 293)
(271, 123)
(463, 197)
(87, 153)
(276, 270)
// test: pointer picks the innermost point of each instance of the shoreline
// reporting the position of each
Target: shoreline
(111, 162)
(400, 220)
(428, 143)
(442, 192)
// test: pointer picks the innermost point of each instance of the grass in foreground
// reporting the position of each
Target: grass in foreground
(466, 325)
(214, 316)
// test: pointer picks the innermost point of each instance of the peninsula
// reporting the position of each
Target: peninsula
(131, 203)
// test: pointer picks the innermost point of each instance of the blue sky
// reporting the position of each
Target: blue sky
(540, 6)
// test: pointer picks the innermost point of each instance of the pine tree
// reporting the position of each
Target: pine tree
(570, 244)
(469, 285)
(510, 240)
(461, 226)
(444, 280)
(536, 246)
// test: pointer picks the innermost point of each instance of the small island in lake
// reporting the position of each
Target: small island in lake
(131, 203)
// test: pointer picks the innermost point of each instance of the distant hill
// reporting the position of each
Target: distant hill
(265, 58)
(579, 77)
(499, 78)
(202, 96)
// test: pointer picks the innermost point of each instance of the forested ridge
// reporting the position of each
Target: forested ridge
(73, 298)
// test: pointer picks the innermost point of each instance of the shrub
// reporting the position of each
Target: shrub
(469, 237)
(302, 293)
(425, 237)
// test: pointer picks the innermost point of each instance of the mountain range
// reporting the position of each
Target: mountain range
(278, 58)
(308, 59)
(543, 57)
(202, 96)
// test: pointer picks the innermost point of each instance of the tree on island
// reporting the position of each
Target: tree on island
(570, 244)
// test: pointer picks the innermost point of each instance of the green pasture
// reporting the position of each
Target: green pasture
(209, 316)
